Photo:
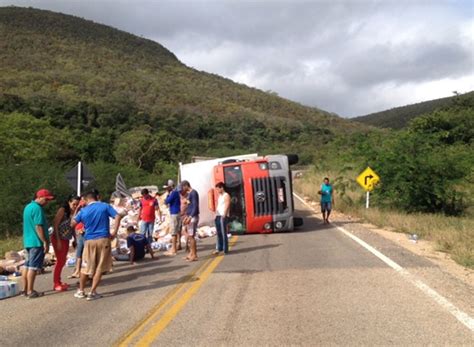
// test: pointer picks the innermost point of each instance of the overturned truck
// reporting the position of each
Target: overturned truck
(261, 191)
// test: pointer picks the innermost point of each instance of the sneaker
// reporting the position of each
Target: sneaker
(93, 296)
(80, 294)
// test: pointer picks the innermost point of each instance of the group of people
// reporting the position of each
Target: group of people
(86, 221)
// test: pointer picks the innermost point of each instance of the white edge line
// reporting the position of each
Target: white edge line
(461, 316)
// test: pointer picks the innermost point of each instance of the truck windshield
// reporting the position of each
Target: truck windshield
(234, 186)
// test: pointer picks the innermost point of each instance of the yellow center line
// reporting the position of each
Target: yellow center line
(169, 315)
(154, 312)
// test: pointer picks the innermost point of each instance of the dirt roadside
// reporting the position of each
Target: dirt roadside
(424, 248)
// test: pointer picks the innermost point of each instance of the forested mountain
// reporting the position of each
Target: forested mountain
(72, 89)
(84, 76)
(399, 117)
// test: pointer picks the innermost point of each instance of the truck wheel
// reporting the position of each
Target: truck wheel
(292, 159)
(297, 222)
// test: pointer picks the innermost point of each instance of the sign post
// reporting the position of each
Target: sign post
(79, 177)
(367, 180)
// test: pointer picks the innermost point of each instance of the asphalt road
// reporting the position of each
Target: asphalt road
(315, 286)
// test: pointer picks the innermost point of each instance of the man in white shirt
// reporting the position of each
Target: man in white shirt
(222, 214)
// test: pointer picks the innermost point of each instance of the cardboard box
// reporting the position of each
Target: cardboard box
(9, 289)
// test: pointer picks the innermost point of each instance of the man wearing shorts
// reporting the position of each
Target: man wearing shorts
(147, 214)
(173, 200)
(191, 219)
(97, 249)
(327, 199)
(35, 240)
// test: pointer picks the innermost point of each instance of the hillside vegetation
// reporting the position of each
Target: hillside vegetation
(79, 74)
(399, 117)
(73, 89)
(426, 172)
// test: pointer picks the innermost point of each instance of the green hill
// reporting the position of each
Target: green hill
(399, 117)
(73, 89)
(79, 74)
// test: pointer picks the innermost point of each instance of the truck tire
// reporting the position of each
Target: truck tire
(292, 159)
(297, 222)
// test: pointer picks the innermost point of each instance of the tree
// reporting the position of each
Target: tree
(23, 138)
(143, 148)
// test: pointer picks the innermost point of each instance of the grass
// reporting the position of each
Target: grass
(453, 235)
(10, 244)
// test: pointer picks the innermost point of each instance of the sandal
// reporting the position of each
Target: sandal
(93, 296)
(61, 287)
(72, 276)
(34, 294)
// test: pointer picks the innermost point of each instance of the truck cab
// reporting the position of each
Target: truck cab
(261, 193)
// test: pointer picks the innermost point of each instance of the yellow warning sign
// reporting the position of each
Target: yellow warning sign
(368, 179)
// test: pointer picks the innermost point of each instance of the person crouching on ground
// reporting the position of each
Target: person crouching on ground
(97, 246)
(222, 213)
(63, 233)
(191, 219)
(173, 200)
(137, 244)
(35, 240)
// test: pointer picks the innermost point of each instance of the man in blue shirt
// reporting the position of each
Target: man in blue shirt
(35, 240)
(327, 199)
(173, 200)
(137, 244)
(97, 248)
(191, 219)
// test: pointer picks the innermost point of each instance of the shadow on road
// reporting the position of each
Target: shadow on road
(137, 274)
(152, 285)
(313, 223)
(251, 249)
(145, 263)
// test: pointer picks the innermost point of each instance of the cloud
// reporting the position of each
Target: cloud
(348, 57)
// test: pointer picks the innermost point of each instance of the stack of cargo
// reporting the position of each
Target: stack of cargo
(8, 288)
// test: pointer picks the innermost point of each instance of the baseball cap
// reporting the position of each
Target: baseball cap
(44, 193)
(170, 183)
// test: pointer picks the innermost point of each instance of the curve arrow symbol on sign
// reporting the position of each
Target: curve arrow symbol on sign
(367, 177)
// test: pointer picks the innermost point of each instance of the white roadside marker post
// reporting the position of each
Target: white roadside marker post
(79, 178)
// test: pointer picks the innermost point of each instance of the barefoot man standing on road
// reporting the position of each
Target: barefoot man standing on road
(97, 248)
(191, 219)
(173, 200)
(327, 199)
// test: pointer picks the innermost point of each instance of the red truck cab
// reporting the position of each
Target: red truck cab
(261, 193)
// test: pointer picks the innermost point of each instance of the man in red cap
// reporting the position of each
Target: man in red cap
(35, 240)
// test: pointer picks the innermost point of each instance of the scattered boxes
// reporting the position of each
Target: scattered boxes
(9, 289)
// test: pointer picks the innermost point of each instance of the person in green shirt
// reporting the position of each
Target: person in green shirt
(327, 199)
(35, 240)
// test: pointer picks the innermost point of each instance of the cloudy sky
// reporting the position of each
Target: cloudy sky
(349, 57)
